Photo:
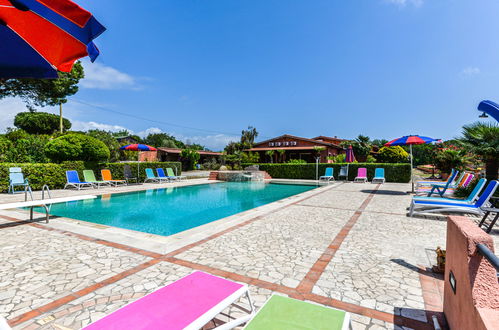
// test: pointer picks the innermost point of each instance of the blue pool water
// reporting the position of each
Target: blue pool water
(171, 210)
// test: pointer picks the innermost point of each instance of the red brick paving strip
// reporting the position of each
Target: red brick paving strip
(313, 275)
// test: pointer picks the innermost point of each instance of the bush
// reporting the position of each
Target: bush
(5, 145)
(395, 154)
(296, 161)
(40, 122)
(76, 147)
(393, 172)
(54, 175)
(118, 171)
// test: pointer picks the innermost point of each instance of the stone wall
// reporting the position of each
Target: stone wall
(475, 302)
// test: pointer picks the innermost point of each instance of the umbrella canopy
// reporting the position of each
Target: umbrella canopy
(349, 157)
(40, 37)
(410, 140)
(138, 147)
(490, 108)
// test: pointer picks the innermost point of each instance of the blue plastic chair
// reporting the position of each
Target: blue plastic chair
(16, 179)
(379, 175)
(161, 175)
(328, 175)
(73, 180)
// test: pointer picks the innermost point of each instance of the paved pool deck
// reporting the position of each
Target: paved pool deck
(345, 245)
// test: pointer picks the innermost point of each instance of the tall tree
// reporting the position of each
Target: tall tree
(248, 136)
(483, 140)
(43, 92)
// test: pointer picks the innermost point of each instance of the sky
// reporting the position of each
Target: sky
(204, 70)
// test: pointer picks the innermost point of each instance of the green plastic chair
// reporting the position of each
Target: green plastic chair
(89, 176)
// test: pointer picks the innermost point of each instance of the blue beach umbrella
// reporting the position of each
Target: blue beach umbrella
(410, 140)
(490, 108)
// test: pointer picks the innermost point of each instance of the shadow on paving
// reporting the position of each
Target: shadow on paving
(385, 192)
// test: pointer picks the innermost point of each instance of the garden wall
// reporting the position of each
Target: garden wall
(393, 172)
(54, 175)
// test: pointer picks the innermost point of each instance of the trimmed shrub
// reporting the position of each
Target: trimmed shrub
(40, 122)
(117, 169)
(393, 172)
(76, 147)
(54, 175)
(395, 154)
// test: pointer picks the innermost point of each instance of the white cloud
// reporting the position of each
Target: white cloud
(150, 130)
(9, 107)
(88, 125)
(100, 76)
(470, 71)
(403, 3)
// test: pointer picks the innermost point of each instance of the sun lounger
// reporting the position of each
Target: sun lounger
(361, 175)
(424, 206)
(108, 177)
(448, 190)
(343, 172)
(328, 175)
(3, 324)
(16, 179)
(280, 312)
(379, 175)
(428, 183)
(473, 196)
(169, 172)
(89, 176)
(128, 175)
(150, 176)
(188, 303)
(162, 176)
(74, 181)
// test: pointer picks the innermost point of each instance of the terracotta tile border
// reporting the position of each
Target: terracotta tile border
(432, 288)
(309, 281)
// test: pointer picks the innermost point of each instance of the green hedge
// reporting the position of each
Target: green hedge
(393, 172)
(38, 174)
(118, 172)
(54, 175)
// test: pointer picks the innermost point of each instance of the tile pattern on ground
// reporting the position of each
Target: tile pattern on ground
(40, 266)
(279, 248)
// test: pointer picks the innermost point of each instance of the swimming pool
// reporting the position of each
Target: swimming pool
(171, 210)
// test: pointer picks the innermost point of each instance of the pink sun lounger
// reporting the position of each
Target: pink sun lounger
(188, 303)
(361, 175)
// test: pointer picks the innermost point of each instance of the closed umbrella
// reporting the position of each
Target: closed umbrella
(138, 147)
(349, 157)
(40, 37)
(411, 140)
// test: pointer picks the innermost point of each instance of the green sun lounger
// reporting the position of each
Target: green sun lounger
(89, 176)
(283, 313)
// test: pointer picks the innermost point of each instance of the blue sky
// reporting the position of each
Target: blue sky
(383, 68)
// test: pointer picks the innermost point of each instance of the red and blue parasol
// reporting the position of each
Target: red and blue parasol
(138, 147)
(41, 37)
(410, 140)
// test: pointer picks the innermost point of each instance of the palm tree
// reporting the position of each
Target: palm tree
(483, 140)
(270, 153)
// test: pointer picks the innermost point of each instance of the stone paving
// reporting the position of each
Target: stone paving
(349, 246)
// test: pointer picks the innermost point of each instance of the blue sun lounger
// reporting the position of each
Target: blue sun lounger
(328, 175)
(162, 176)
(441, 189)
(424, 206)
(150, 176)
(73, 180)
(428, 183)
(379, 175)
(473, 196)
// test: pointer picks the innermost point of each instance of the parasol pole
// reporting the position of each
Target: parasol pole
(412, 177)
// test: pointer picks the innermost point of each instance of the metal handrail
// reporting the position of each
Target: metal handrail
(491, 257)
(46, 187)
